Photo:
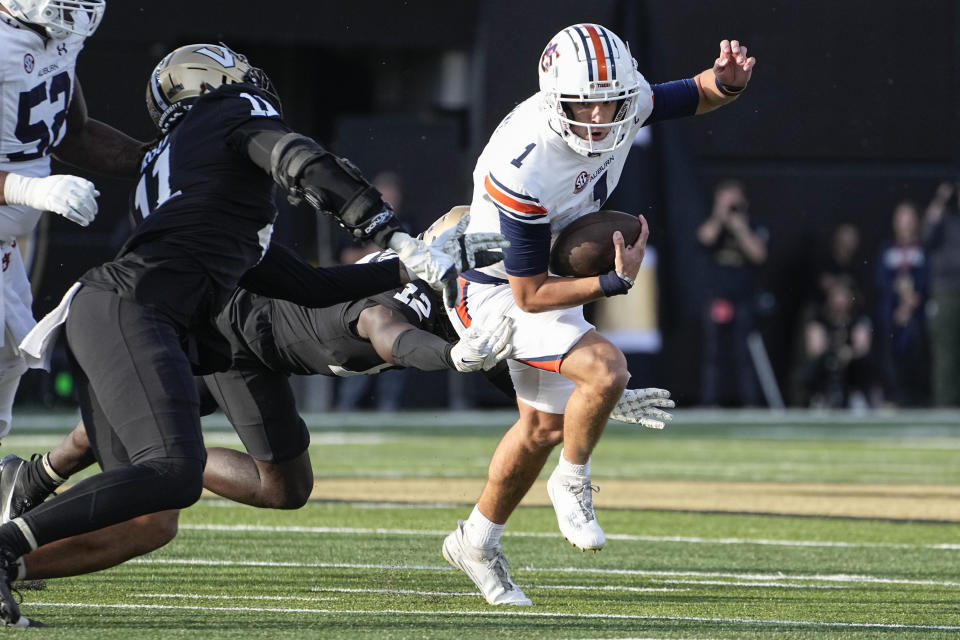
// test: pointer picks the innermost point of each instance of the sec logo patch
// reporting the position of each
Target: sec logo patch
(28, 63)
(581, 182)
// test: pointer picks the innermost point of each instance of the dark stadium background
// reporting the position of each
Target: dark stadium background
(853, 106)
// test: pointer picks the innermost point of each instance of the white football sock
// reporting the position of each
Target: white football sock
(481, 532)
(569, 469)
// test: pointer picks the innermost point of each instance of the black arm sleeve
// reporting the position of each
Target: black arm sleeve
(283, 274)
(326, 181)
(421, 350)
(256, 139)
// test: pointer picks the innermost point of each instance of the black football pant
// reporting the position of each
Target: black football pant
(140, 407)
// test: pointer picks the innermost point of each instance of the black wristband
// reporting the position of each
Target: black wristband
(728, 89)
(612, 285)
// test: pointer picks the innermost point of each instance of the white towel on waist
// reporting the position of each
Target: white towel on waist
(37, 346)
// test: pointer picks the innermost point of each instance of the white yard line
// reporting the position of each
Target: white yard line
(399, 592)
(773, 584)
(610, 536)
(203, 596)
(558, 587)
(840, 578)
(506, 613)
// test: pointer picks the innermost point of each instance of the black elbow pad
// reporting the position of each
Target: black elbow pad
(333, 185)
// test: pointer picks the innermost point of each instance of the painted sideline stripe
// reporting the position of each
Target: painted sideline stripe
(611, 536)
(845, 578)
(506, 613)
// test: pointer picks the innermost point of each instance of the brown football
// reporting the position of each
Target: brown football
(585, 247)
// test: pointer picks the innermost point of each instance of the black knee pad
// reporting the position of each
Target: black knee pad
(179, 481)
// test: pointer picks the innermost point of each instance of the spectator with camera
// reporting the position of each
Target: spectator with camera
(737, 249)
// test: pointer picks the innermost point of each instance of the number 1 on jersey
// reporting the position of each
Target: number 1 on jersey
(526, 151)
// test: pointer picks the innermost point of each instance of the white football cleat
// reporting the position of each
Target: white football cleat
(572, 500)
(486, 567)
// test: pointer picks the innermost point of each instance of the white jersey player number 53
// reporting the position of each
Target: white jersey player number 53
(41, 113)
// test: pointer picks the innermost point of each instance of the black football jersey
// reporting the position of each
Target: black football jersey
(205, 212)
(294, 339)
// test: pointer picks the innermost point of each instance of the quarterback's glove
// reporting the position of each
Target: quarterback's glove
(644, 407)
(453, 251)
(483, 349)
(69, 196)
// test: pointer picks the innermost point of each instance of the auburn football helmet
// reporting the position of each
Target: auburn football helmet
(590, 63)
(188, 72)
(59, 18)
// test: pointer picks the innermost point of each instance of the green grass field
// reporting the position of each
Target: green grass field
(372, 569)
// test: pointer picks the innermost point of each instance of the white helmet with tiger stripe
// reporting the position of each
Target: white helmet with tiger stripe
(590, 63)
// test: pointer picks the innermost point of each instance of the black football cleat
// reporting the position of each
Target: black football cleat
(16, 497)
(9, 607)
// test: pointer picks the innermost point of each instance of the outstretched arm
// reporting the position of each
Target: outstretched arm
(709, 89)
(727, 79)
(333, 185)
(285, 275)
(399, 342)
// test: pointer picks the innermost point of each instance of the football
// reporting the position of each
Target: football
(585, 247)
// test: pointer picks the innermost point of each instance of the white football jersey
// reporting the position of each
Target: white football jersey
(37, 77)
(528, 174)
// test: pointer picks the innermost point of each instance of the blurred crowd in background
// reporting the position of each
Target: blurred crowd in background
(880, 328)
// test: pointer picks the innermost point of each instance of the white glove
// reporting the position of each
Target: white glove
(483, 349)
(453, 251)
(69, 196)
(644, 407)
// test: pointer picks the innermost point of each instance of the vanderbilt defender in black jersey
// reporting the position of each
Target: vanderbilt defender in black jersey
(139, 326)
(270, 339)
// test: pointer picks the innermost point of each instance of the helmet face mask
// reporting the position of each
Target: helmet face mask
(59, 18)
(587, 63)
(186, 73)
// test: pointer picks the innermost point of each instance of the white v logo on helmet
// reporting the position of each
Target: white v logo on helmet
(190, 71)
(224, 59)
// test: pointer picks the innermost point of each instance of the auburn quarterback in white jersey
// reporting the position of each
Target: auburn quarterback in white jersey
(556, 157)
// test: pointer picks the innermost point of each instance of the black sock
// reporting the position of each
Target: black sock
(13, 543)
(38, 481)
